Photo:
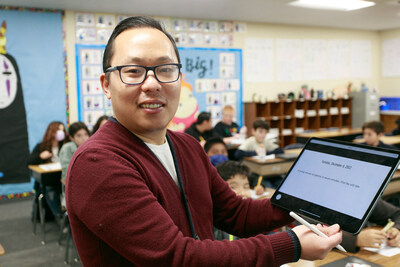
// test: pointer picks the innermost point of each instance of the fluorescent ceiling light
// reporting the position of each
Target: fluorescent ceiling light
(345, 5)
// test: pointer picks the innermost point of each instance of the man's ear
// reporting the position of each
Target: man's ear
(105, 85)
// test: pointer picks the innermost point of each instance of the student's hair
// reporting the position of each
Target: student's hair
(260, 123)
(376, 126)
(228, 108)
(231, 168)
(48, 137)
(98, 122)
(133, 23)
(203, 116)
(75, 127)
(212, 141)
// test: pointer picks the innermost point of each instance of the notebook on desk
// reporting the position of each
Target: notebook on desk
(336, 182)
(288, 156)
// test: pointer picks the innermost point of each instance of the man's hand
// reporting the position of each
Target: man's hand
(370, 237)
(314, 247)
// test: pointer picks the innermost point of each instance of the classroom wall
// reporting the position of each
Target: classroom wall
(268, 90)
(390, 86)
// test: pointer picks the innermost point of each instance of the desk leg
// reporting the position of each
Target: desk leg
(42, 214)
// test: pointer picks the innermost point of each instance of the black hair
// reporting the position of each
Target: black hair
(231, 168)
(129, 23)
(98, 122)
(376, 126)
(260, 123)
(203, 116)
(212, 141)
(75, 127)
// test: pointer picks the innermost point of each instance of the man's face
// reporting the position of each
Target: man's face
(260, 134)
(371, 137)
(147, 107)
(240, 185)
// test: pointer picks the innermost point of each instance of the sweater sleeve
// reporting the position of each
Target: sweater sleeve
(115, 204)
(34, 157)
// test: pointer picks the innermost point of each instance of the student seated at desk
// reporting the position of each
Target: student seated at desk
(202, 128)
(100, 122)
(216, 150)
(370, 237)
(372, 132)
(227, 129)
(258, 144)
(47, 151)
(78, 134)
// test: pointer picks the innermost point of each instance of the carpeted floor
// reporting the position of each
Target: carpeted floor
(22, 248)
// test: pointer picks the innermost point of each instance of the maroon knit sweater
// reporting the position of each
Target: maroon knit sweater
(125, 209)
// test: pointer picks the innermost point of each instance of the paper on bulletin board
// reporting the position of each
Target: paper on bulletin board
(314, 61)
(360, 59)
(391, 58)
(289, 60)
(338, 59)
(259, 60)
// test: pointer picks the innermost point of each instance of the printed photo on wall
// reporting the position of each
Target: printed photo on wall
(105, 21)
(180, 24)
(181, 38)
(215, 112)
(84, 20)
(228, 98)
(211, 39)
(195, 25)
(196, 38)
(213, 99)
(211, 26)
(86, 35)
(90, 56)
(103, 35)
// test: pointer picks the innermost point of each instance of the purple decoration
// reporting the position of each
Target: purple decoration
(8, 87)
(5, 65)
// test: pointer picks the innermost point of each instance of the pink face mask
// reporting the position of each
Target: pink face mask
(60, 135)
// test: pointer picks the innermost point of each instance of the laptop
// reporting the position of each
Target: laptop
(337, 182)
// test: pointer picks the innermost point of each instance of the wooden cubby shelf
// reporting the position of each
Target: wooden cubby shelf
(291, 117)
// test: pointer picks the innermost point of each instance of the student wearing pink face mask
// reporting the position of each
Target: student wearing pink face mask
(47, 151)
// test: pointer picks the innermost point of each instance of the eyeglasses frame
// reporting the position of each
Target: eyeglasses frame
(153, 68)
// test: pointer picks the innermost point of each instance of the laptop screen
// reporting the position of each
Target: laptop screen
(338, 178)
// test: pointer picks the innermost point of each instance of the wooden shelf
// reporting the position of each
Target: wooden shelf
(287, 115)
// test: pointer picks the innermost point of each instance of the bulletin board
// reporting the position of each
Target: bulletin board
(212, 78)
(92, 103)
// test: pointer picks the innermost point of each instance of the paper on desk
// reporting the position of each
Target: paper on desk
(385, 250)
(263, 158)
(51, 166)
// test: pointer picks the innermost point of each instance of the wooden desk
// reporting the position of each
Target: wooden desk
(394, 185)
(334, 255)
(51, 177)
(390, 140)
(268, 167)
(344, 134)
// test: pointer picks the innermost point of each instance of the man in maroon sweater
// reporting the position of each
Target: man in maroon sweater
(140, 195)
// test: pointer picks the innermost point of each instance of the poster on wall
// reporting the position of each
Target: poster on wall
(32, 88)
(212, 78)
(92, 102)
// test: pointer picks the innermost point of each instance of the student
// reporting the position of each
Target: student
(258, 144)
(202, 128)
(78, 134)
(216, 150)
(236, 176)
(126, 185)
(227, 127)
(370, 237)
(47, 151)
(100, 122)
(372, 132)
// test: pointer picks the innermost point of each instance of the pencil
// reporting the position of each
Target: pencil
(388, 226)
(259, 181)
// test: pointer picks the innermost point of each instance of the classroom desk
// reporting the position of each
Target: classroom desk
(46, 177)
(394, 185)
(390, 140)
(344, 134)
(269, 167)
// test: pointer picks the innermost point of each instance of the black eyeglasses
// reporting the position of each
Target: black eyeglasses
(136, 74)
